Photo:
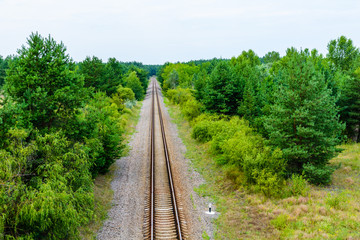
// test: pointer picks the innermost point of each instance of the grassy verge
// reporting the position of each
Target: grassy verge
(331, 212)
(102, 189)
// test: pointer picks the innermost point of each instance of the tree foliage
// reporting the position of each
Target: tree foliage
(45, 187)
(222, 91)
(271, 57)
(342, 53)
(133, 82)
(44, 81)
(56, 135)
(4, 65)
(304, 120)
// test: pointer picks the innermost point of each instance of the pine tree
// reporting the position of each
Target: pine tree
(350, 102)
(43, 78)
(248, 107)
(93, 70)
(346, 59)
(303, 121)
(222, 91)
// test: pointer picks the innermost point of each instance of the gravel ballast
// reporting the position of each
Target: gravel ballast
(125, 218)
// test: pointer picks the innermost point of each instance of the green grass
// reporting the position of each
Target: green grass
(331, 212)
(102, 185)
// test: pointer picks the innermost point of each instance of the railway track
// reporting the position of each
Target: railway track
(164, 218)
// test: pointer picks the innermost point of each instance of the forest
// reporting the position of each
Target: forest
(273, 118)
(61, 124)
(267, 121)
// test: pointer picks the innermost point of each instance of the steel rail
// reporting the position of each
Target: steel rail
(171, 183)
(152, 175)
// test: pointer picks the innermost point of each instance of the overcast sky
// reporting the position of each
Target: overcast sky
(156, 31)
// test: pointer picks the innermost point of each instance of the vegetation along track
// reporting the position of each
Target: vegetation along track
(163, 213)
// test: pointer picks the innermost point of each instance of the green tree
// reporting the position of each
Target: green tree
(100, 129)
(271, 57)
(133, 82)
(44, 80)
(248, 107)
(114, 72)
(342, 53)
(222, 91)
(346, 59)
(350, 105)
(303, 120)
(4, 65)
(245, 70)
(121, 96)
(200, 79)
(93, 70)
(142, 74)
(172, 81)
(46, 188)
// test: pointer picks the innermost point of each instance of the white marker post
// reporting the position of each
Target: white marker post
(211, 212)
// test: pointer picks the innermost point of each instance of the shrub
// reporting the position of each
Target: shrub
(317, 174)
(100, 129)
(271, 161)
(201, 131)
(179, 95)
(268, 183)
(242, 144)
(123, 97)
(280, 222)
(234, 174)
(337, 200)
(208, 127)
(265, 170)
(297, 185)
(130, 104)
(191, 109)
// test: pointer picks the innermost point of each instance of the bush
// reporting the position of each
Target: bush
(234, 174)
(130, 104)
(100, 129)
(319, 175)
(123, 97)
(268, 183)
(191, 109)
(297, 185)
(179, 95)
(242, 144)
(337, 200)
(265, 171)
(280, 222)
(238, 148)
(201, 131)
